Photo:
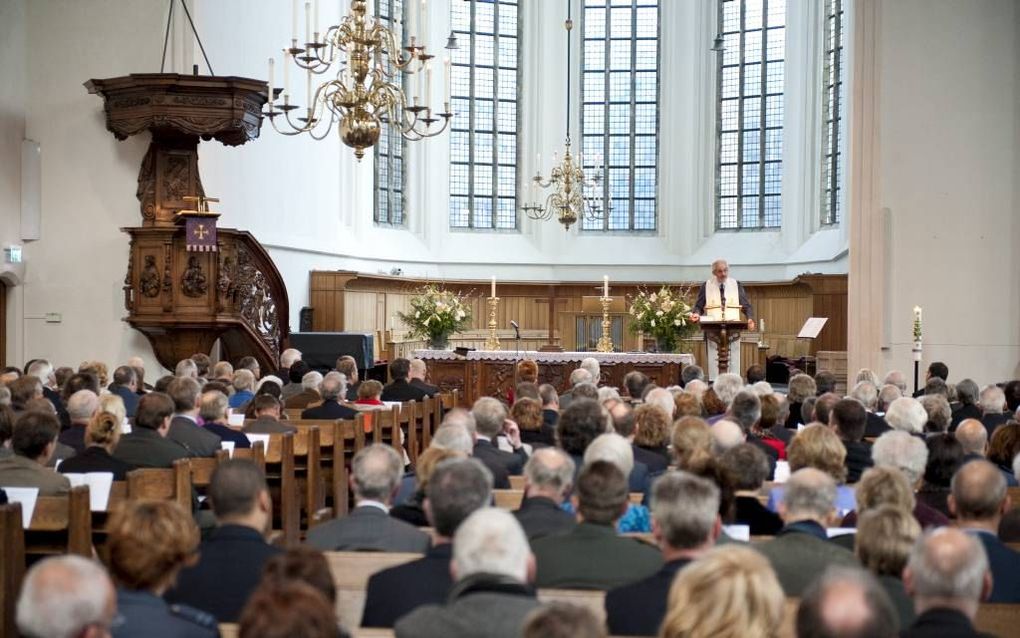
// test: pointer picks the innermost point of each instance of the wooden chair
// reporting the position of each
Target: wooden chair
(12, 564)
(1014, 495)
(293, 414)
(351, 571)
(279, 463)
(449, 400)
(593, 600)
(61, 525)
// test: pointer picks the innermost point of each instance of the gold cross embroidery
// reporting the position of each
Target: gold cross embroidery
(200, 231)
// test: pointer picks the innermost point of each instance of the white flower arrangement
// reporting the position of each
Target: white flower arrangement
(662, 314)
(437, 313)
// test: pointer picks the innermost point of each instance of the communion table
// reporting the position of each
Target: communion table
(483, 373)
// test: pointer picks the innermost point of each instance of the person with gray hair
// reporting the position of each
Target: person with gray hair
(697, 387)
(213, 410)
(906, 415)
(591, 364)
(846, 602)
(244, 388)
(967, 393)
(66, 597)
(973, 437)
(898, 379)
(309, 393)
(726, 387)
(726, 434)
(577, 377)
(745, 410)
(617, 450)
(886, 395)
(947, 575)
(548, 479)
(993, 408)
(81, 406)
(375, 475)
(186, 368)
(802, 550)
(662, 398)
(685, 509)
(491, 421)
(690, 373)
(332, 389)
(493, 567)
(867, 394)
(902, 451)
(456, 489)
(939, 414)
(978, 500)
(452, 435)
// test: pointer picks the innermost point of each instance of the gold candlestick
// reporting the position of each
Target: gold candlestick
(605, 341)
(492, 341)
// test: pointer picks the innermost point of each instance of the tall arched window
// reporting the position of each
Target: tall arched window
(620, 109)
(389, 151)
(483, 139)
(835, 69)
(750, 114)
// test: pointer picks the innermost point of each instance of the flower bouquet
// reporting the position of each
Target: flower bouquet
(436, 314)
(664, 315)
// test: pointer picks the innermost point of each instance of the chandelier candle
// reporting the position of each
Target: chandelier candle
(493, 287)
(605, 286)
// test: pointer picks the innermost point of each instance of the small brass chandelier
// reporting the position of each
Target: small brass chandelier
(366, 93)
(574, 195)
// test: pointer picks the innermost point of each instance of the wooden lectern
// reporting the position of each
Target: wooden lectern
(722, 332)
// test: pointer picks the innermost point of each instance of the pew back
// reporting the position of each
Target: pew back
(351, 571)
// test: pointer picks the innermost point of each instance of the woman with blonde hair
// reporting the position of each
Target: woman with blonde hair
(101, 437)
(818, 446)
(730, 592)
(413, 510)
(885, 537)
(651, 431)
(692, 442)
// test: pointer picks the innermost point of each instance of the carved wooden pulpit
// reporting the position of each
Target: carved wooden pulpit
(722, 333)
(189, 284)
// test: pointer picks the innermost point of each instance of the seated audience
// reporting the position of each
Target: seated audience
(771, 426)
(81, 407)
(416, 377)
(821, 409)
(801, 388)
(947, 576)
(7, 419)
(652, 426)
(747, 468)
(125, 385)
(548, 480)
(691, 442)
(412, 510)
(745, 410)
(375, 476)
(973, 438)
(288, 609)
(347, 366)
(213, 410)
(185, 368)
(304, 564)
(662, 398)
(577, 377)
(251, 364)
(686, 404)
(801, 550)
(231, 558)
(592, 556)
(399, 389)
(184, 428)
(730, 592)
(491, 421)
(267, 417)
(33, 440)
(909, 455)
(101, 438)
(993, 408)
(309, 394)
(550, 405)
(295, 374)
(457, 488)
(635, 383)
(945, 455)
(492, 567)
(223, 372)
(66, 597)
(867, 394)
(885, 536)
(825, 380)
(882, 486)
(726, 435)
(562, 620)
(288, 358)
(939, 413)
(146, 445)
(369, 395)
(1003, 446)
(527, 414)
(846, 603)
(713, 407)
(817, 446)
(615, 449)
(686, 514)
(149, 543)
(624, 420)
(244, 388)
(979, 500)
(332, 391)
(849, 418)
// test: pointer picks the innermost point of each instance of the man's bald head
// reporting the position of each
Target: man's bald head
(550, 473)
(948, 568)
(65, 596)
(725, 435)
(810, 494)
(978, 493)
(848, 603)
(973, 436)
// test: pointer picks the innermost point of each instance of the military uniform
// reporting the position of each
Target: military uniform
(142, 613)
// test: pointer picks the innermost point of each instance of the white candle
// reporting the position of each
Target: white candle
(446, 78)
(605, 285)
(308, 22)
(917, 313)
(493, 286)
(308, 95)
(270, 90)
(417, 86)
(424, 21)
(763, 326)
(428, 86)
(293, 21)
(316, 20)
(538, 163)
(286, 73)
(412, 11)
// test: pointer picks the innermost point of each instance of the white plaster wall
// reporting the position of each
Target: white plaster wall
(949, 155)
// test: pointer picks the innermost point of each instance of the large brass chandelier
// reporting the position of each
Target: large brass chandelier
(370, 60)
(574, 195)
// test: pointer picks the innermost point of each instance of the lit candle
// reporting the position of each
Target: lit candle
(286, 74)
(917, 313)
(493, 286)
(605, 285)
(270, 90)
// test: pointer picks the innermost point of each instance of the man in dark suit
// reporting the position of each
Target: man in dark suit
(493, 569)
(490, 422)
(399, 389)
(125, 385)
(748, 467)
(184, 427)
(331, 389)
(624, 424)
(548, 479)
(686, 525)
(309, 394)
(745, 411)
(846, 602)
(213, 412)
(416, 377)
(267, 417)
(936, 369)
(978, 501)
(347, 366)
(592, 556)
(456, 488)
(577, 377)
(947, 576)
(550, 405)
(802, 550)
(973, 438)
(375, 476)
(33, 441)
(231, 559)
(849, 419)
(81, 406)
(146, 445)
(867, 394)
(993, 409)
(967, 393)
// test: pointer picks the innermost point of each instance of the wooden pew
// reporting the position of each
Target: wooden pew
(256, 453)
(61, 525)
(592, 599)
(372, 632)
(229, 630)
(279, 460)
(998, 619)
(517, 482)
(351, 571)
(425, 420)
(1014, 495)
(407, 422)
(170, 484)
(331, 468)
(12, 564)
(202, 469)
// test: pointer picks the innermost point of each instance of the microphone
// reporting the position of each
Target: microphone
(516, 327)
